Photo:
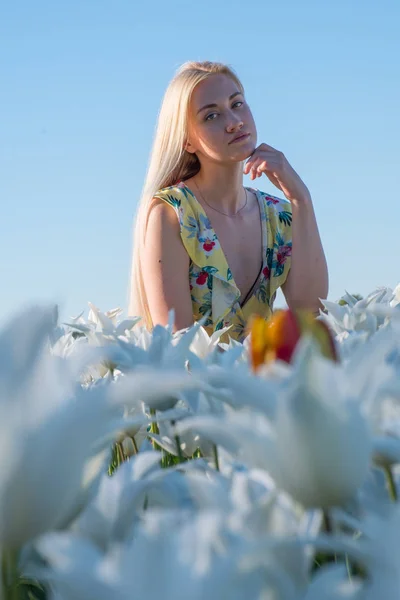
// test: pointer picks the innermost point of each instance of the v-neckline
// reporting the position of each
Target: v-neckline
(250, 294)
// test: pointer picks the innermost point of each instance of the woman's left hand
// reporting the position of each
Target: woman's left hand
(273, 163)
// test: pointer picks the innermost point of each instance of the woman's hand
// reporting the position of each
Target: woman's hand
(273, 163)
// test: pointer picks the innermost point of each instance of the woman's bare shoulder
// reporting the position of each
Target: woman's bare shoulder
(161, 219)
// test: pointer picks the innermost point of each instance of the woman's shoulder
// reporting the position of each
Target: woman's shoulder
(186, 207)
(178, 190)
(171, 194)
(181, 198)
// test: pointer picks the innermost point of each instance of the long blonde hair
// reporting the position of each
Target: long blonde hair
(169, 163)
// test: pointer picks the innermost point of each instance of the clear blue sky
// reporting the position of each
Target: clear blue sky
(81, 82)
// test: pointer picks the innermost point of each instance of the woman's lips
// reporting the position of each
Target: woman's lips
(244, 136)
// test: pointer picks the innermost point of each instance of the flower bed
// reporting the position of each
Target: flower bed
(146, 466)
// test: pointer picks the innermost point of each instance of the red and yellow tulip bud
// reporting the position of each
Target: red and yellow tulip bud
(277, 338)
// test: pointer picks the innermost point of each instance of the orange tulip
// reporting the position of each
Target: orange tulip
(277, 338)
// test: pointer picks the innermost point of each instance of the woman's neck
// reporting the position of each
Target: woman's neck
(221, 186)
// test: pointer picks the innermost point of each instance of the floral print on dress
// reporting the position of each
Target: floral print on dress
(191, 225)
(285, 217)
(214, 294)
(272, 200)
(206, 235)
(282, 251)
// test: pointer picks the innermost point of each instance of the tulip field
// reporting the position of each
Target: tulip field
(176, 466)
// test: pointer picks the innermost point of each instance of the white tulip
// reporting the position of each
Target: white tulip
(361, 316)
(317, 446)
(203, 344)
(48, 431)
(171, 556)
(197, 558)
(76, 569)
(54, 434)
(377, 550)
(102, 520)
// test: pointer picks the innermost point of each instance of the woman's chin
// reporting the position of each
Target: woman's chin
(249, 153)
(245, 153)
(247, 150)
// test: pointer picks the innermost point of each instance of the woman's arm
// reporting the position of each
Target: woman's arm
(307, 280)
(165, 268)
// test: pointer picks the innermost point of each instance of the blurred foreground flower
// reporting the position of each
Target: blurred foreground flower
(277, 338)
(316, 444)
(233, 473)
(55, 435)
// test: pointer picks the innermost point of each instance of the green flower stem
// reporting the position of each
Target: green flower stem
(216, 460)
(155, 430)
(328, 527)
(134, 444)
(9, 574)
(120, 453)
(327, 522)
(178, 446)
(391, 484)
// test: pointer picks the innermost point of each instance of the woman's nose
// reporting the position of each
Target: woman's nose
(234, 124)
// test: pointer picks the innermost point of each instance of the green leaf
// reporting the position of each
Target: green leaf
(30, 589)
(185, 191)
(204, 309)
(262, 294)
(175, 202)
(210, 270)
(285, 217)
(270, 256)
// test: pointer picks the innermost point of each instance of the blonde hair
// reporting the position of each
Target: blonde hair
(169, 163)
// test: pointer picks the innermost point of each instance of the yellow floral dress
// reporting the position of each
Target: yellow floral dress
(215, 296)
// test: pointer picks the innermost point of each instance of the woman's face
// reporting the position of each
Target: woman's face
(218, 114)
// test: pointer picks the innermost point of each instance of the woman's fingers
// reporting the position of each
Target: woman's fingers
(265, 161)
(262, 168)
(252, 167)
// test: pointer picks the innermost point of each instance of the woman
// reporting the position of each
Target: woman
(205, 245)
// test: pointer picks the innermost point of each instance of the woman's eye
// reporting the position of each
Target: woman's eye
(210, 115)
